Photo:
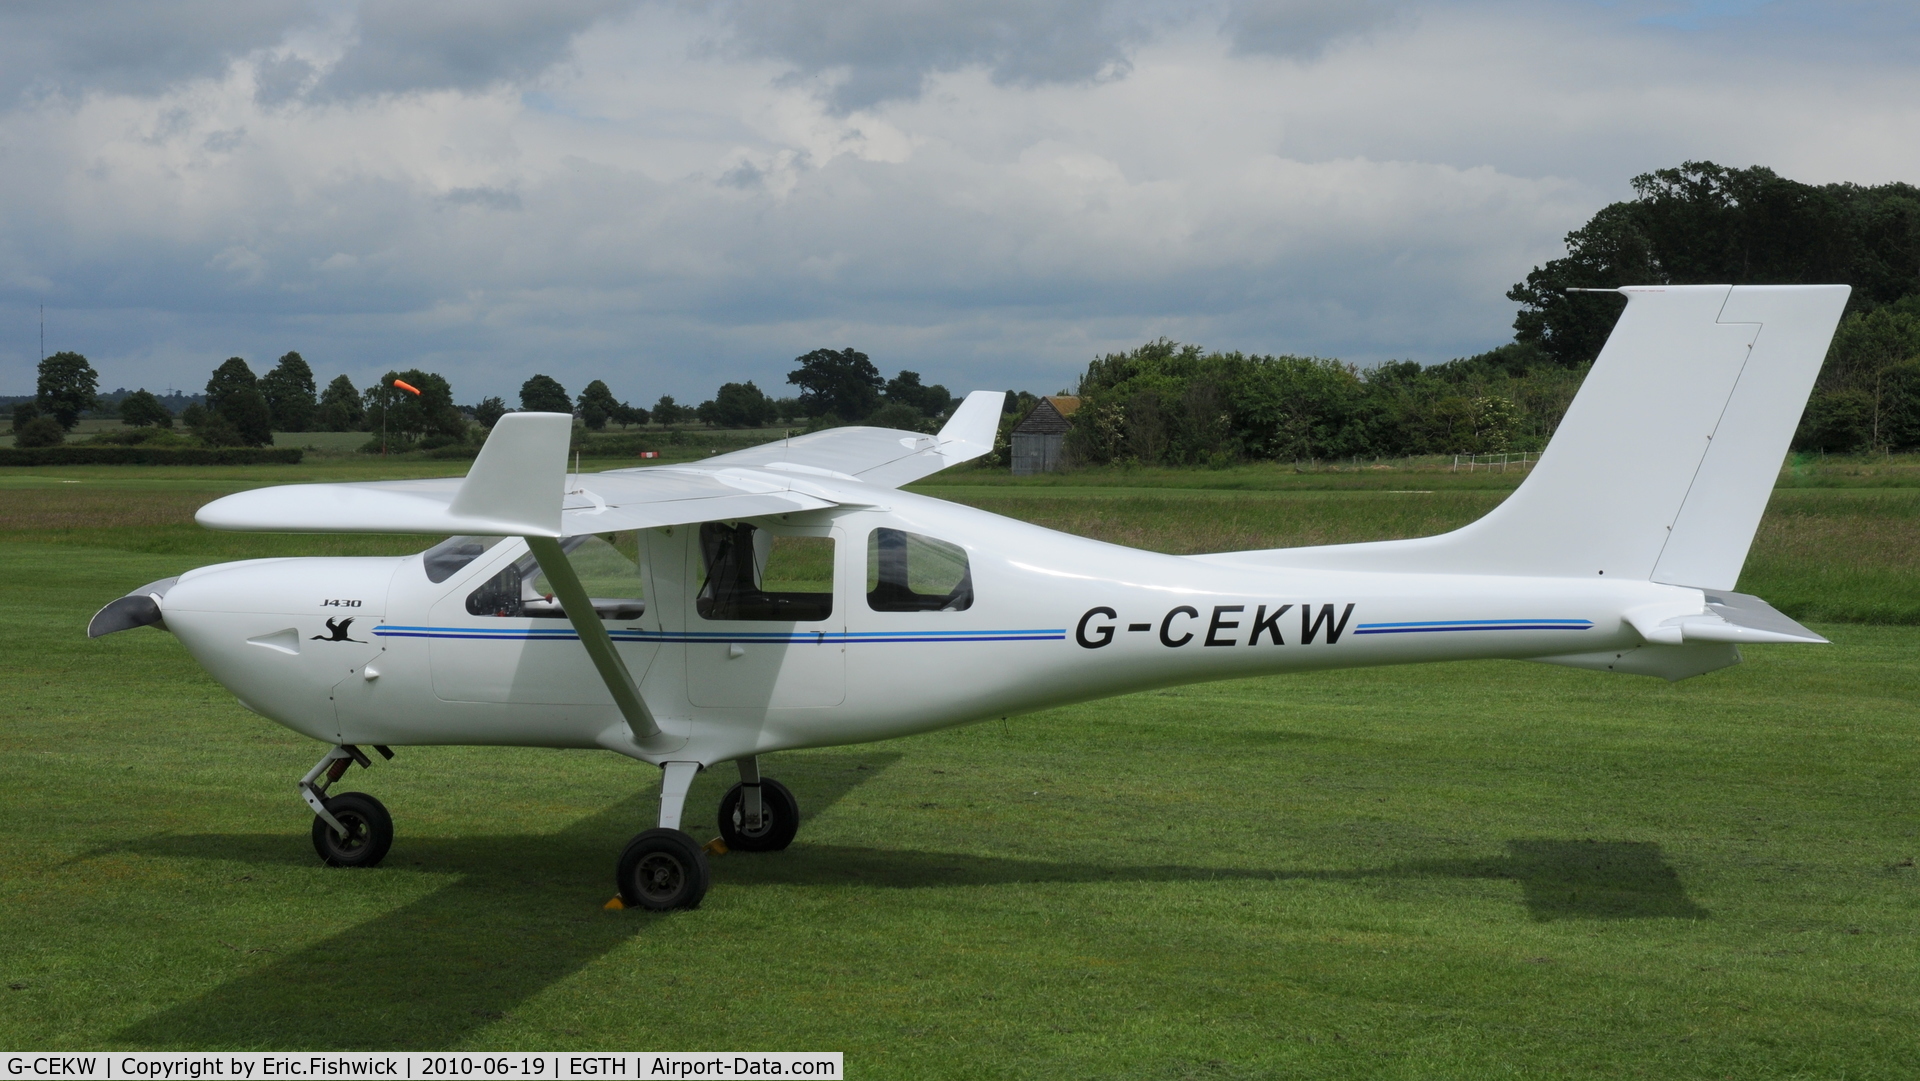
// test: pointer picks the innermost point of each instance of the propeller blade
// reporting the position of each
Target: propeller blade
(141, 608)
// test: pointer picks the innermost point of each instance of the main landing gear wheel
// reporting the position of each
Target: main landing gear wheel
(369, 831)
(779, 819)
(662, 869)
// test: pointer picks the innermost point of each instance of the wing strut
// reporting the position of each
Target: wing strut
(593, 635)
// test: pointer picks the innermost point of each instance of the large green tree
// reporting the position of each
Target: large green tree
(66, 388)
(141, 409)
(289, 392)
(597, 405)
(906, 389)
(233, 395)
(489, 411)
(842, 384)
(1704, 223)
(738, 405)
(429, 418)
(341, 408)
(544, 394)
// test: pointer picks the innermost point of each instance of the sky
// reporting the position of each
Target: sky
(671, 195)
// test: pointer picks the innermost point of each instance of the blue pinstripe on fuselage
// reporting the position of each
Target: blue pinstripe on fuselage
(1433, 626)
(620, 634)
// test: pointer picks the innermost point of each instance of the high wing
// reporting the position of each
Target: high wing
(887, 457)
(519, 486)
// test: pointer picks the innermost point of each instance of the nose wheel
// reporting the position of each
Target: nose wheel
(351, 829)
(368, 831)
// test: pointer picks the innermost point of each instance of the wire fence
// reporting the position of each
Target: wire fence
(1494, 463)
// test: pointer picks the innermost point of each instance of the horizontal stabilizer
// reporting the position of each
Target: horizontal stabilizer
(1729, 617)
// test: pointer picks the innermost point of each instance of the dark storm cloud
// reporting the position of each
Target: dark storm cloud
(130, 46)
(410, 45)
(887, 48)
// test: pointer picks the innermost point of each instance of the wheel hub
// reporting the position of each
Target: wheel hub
(660, 875)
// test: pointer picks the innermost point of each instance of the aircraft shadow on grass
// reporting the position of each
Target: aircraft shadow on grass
(430, 972)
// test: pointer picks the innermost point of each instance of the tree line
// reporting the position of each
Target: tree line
(835, 387)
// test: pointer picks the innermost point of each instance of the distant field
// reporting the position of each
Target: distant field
(1493, 869)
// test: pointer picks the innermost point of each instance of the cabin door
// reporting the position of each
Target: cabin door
(765, 623)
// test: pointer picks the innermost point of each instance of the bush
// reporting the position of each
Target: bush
(145, 455)
(391, 444)
(40, 432)
(134, 437)
(898, 415)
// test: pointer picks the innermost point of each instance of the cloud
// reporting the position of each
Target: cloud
(402, 46)
(671, 195)
(872, 51)
(130, 46)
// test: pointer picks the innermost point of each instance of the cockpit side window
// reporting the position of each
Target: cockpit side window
(452, 555)
(908, 572)
(755, 575)
(608, 569)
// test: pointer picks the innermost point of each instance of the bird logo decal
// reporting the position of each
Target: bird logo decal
(337, 631)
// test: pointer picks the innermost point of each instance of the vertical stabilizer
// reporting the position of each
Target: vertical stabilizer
(1662, 466)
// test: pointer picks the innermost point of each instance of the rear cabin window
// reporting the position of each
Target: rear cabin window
(608, 566)
(753, 575)
(907, 572)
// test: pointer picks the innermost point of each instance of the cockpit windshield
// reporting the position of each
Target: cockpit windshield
(608, 567)
(448, 557)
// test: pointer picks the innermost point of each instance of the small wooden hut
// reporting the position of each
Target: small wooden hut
(1039, 439)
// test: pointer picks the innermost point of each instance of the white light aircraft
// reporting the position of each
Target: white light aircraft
(791, 595)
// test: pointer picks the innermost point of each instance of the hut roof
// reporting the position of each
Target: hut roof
(1050, 415)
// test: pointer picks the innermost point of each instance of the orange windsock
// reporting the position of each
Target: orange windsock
(408, 387)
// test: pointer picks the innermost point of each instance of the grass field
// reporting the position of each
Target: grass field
(1494, 869)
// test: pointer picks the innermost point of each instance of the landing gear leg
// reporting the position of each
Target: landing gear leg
(663, 868)
(351, 829)
(758, 814)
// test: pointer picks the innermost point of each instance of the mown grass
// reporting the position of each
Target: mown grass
(1445, 871)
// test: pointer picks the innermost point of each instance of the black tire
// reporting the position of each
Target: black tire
(779, 819)
(661, 870)
(369, 831)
